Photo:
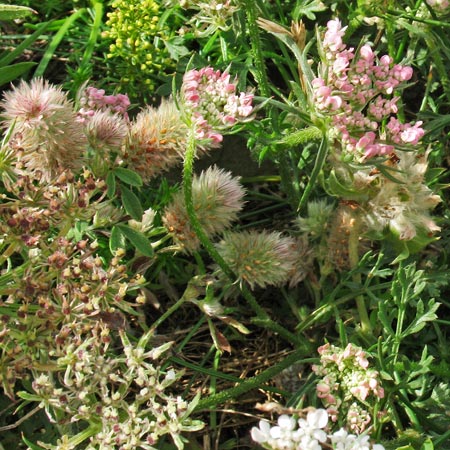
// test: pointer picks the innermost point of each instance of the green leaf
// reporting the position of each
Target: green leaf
(131, 203)
(30, 397)
(10, 73)
(318, 164)
(30, 444)
(128, 176)
(11, 12)
(176, 48)
(138, 239)
(111, 184)
(427, 445)
(116, 240)
(385, 320)
(308, 8)
(422, 317)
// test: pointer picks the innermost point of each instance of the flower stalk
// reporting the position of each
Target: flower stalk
(353, 244)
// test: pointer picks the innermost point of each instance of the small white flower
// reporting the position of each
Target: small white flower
(286, 425)
(317, 418)
(261, 434)
(312, 426)
(377, 447)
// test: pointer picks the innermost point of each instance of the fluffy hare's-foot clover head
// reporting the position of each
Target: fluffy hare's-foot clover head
(47, 136)
(217, 198)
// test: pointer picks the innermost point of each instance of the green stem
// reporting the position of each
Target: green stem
(168, 313)
(353, 253)
(251, 383)
(13, 247)
(251, 12)
(320, 160)
(262, 317)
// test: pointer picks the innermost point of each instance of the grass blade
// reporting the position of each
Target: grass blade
(39, 72)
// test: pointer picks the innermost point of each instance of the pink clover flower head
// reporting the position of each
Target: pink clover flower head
(366, 53)
(402, 73)
(344, 374)
(351, 92)
(93, 99)
(412, 134)
(323, 98)
(212, 104)
(438, 5)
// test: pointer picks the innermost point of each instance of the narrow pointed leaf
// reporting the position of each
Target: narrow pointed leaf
(131, 203)
(128, 176)
(137, 239)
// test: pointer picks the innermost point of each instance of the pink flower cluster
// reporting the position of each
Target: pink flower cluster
(212, 104)
(345, 376)
(352, 83)
(94, 99)
(438, 5)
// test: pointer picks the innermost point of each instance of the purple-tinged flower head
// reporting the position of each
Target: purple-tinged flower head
(104, 129)
(217, 197)
(211, 103)
(156, 140)
(303, 263)
(93, 99)
(106, 133)
(259, 258)
(46, 133)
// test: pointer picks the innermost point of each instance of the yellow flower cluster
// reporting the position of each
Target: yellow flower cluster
(137, 48)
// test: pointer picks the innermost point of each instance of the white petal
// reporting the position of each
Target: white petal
(261, 434)
(286, 422)
(317, 418)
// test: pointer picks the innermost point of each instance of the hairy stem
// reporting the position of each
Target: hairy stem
(260, 74)
(251, 383)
